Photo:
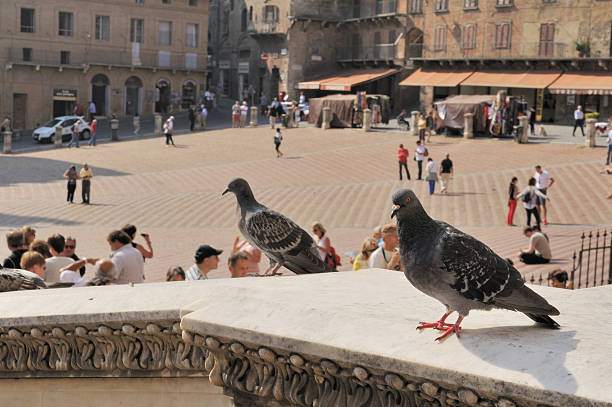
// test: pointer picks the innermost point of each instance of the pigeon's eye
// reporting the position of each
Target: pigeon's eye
(408, 200)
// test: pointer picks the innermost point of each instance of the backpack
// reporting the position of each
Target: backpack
(332, 259)
(426, 153)
(527, 198)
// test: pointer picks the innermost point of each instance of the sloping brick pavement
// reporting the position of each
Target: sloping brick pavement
(343, 178)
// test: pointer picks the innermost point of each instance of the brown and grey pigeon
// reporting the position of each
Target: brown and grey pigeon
(458, 270)
(16, 279)
(285, 243)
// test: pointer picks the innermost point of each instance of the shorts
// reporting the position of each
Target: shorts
(539, 200)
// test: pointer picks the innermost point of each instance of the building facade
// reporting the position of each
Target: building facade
(127, 56)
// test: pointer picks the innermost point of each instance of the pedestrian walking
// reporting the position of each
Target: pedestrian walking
(273, 112)
(422, 126)
(203, 117)
(85, 174)
(429, 125)
(609, 154)
(92, 132)
(278, 138)
(512, 200)
(532, 119)
(192, 117)
(432, 175)
(71, 175)
(136, 124)
(75, 134)
(529, 196)
(402, 159)
(419, 155)
(447, 170)
(92, 110)
(543, 182)
(169, 130)
(244, 110)
(578, 120)
(263, 104)
(236, 115)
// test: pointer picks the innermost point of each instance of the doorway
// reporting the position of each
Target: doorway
(19, 110)
(133, 96)
(188, 94)
(100, 94)
(275, 79)
(162, 99)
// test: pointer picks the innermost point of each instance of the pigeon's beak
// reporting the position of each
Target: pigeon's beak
(225, 192)
(394, 208)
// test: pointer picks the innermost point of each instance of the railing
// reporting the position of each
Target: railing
(264, 27)
(518, 50)
(382, 52)
(108, 56)
(369, 9)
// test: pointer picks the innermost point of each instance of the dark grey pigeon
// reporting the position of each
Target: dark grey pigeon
(284, 242)
(16, 279)
(458, 270)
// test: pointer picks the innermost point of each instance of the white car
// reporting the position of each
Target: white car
(46, 133)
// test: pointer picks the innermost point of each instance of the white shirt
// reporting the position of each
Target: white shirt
(432, 167)
(54, 265)
(322, 242)
(419, 153)
(204, 112)
(380, 258)
(578, 114)
(69, 276)
(542, 180)
(244, 110)
(610, 138)
(194, 273)
(129, 265)
(170, 126)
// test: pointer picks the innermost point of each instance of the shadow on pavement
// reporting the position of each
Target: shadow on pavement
(7, 220)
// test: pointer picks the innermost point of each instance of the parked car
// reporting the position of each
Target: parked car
(46, 133)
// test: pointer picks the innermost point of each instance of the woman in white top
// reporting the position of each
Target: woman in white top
(323, 243)
(419, 156)
(529, 196)
(432, 174)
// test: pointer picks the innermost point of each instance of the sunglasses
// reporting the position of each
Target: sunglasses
(69, 247)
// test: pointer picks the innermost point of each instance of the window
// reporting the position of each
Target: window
(243, 20)
(468, 38)
(470, 4)
(65, 57)
(27, 20)
(193, 3)
(547, 40)
(504, 3)
(191, 39)
(191, 61)
(502, 35)
(270, 14)
(549, 1)
(416, 6)
(165, 1)
(27, 54)
(163, 58)
(137, 30)
(232, 5)
(441, 5)
(65, 24)
(139, 1)
(377, 42)
(165, 33)
(103, 28)
(251, 13)
(440, 37)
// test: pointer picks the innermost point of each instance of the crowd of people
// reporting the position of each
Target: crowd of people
(433, 172)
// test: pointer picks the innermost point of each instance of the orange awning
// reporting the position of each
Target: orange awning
(309, 85)
(346, 80)
(512, 79)
(422, 77)
(588, 83)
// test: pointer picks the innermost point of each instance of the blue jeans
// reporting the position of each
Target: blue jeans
(92, 139)
(74, 140)
(432, 187)
(609, 155)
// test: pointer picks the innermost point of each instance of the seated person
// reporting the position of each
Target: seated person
(539, 248)
(33, 262)
(238, 264)
(71, 273)
(559, 279)
(175, 274)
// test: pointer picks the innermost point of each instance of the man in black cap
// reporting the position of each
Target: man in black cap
(206, 259)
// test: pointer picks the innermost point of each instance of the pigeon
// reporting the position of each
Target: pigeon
(458, 270)
(284, 242)
(16, 279)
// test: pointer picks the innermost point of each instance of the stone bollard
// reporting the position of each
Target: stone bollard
(290, 117)
(8, 140)
(58, 136)
(326, 118)
(254, 116)
(114, 125)
(367, 120)
(590, 133)
(468, 125)
(524, 135)
(414, 122)
(158, 126)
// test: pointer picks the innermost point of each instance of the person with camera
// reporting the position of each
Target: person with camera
(130, 230)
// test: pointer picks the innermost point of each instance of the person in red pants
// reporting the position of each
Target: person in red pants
(512, 192)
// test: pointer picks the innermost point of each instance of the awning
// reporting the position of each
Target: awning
(583, 83)
(346, 80)
(422, 77)
(512, 79)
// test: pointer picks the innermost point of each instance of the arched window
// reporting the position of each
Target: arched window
(251, 13)
(243, 20)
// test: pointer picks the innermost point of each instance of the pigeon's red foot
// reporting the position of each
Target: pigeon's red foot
(440, 324)
(452, 329)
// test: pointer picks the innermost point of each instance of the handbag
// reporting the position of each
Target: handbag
(431, 176)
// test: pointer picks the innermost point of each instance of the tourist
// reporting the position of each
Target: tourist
(543, 182)
(105, 272)
(323, 242)
(381, 257)
(128, 261)
(609, 151)
(447, 170)
(206, 259)
(70, 274)
(401, 119)
(263, 103)
(175, 274)
(57, 261)
(86, 175)
(92, 110)
(529, 196)
(33, 262)
(203, 117)
(238, 265)
(273, 112)
(41, 247)
(419, 155)
(169, 130)
(236, 114)
(92, 132)
(29, 234)
(252, 252)
(531, 113)
(578, 120)
(244, 110)
(15, 241)
(192, 117)
(377, 234)
(278, 139)
(75, 134)
(512, 200)
(71, 175)
(136, 124)
(539, 248)
(422, 126)
(362, 260)
(432, 175)
(560, 279)
(69, 251)
(429, 125)
(130, 230)
(402, 159)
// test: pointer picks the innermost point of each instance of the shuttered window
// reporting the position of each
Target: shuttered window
(441, 5)
(547, 40)
(469, 36)
(416, 6)
(470, 4)
(440, 38)
(502, 35)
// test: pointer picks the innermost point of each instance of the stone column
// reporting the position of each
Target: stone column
(8, 140)
(114, 125)
(468, 125)
(414, 122)
(524, 134)
(254, 116)
(158, 125)
(326, 118)
(290, 117)
(58, 136)
(367, 119)
(590, 133)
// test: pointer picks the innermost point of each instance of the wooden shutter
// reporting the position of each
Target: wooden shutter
(468, 36)
(502, 35)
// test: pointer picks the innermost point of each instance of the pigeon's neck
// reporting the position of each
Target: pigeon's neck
(246, 200)
(414, 228)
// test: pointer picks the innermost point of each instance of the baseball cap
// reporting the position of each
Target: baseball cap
(205, 251)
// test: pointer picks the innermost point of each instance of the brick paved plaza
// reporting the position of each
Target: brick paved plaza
(344, 178)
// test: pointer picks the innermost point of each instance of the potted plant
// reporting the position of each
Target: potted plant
(583, 48)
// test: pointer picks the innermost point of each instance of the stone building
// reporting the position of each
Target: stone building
(128, 56)
(554, 54)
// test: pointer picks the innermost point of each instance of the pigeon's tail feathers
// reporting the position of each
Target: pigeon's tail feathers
(525, 300)
(306, 262)
(545, 320)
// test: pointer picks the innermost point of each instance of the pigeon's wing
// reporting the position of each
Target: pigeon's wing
(280, 238)
(15, 279)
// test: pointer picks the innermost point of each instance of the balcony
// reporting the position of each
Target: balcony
(82, 58)
(267, 29)
(369, 10)
(375, 53)
(523, 50)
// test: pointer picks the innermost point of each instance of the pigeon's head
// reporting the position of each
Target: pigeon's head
(239, 187)
(405, 204)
